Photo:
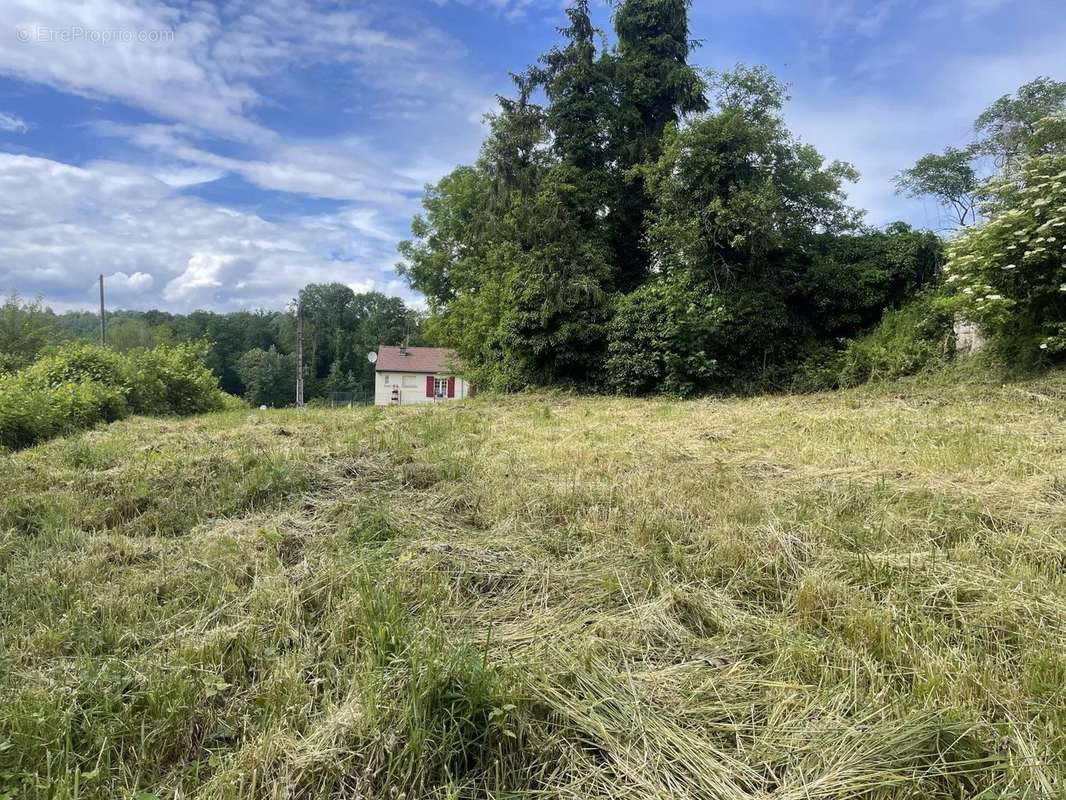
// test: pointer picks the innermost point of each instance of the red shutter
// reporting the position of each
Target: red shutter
(451, 387)
(429, 386)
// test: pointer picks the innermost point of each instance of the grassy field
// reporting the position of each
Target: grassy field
(852, 595)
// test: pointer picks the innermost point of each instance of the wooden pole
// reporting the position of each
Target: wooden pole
(299, 356)
(103, 318)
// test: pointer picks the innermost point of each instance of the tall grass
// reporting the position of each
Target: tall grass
(857, 595)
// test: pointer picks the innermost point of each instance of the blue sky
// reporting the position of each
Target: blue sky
(221, 155)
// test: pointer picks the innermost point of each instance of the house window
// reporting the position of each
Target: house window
(410, 382)
(440, 387)
(386, 379)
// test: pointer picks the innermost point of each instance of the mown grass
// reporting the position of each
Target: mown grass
(844, 595)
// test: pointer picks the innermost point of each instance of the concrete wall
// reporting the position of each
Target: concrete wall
(968, 337)
(411, 388)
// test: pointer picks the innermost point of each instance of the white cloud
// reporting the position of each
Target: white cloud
(204, 278)
(221, 67)
(512, 9)
(122, 289)
(180, 176)
(124, 284)
(64, 225)
(346, 169)
(211, 64)
(176, 78)
(219, 72)
(12, 123)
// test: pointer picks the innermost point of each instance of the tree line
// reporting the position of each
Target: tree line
(253, 353)
(635, 225)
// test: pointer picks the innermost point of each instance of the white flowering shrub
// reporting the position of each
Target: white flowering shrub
(1009, 274)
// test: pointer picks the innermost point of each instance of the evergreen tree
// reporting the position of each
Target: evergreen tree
(655, 87)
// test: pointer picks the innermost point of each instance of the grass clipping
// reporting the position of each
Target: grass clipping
(833, 596)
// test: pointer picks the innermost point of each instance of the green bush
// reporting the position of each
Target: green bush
(679, 336)
(30, 413)
(77, 386)
(76, 363)
(661, 339)
(171, 380)
(908, 340)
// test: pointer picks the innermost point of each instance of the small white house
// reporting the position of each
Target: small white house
(405, 376)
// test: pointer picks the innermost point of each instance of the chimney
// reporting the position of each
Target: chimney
(403, 349)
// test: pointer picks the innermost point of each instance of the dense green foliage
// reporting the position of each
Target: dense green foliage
(909, 339)
(76, 386)
(340, 328)
(30, 413)
(26, 328)
(1009, 274)
(646, 229)
(269, 377)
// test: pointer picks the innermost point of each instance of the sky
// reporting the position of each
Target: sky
(222, 155)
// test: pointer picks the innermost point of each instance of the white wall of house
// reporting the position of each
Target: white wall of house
(411, 388)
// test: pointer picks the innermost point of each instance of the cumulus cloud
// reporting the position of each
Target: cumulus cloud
(207, 77)
(123, 284)
(204, 275)
(65, 224)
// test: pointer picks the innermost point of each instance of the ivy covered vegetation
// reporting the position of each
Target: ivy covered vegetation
(599, 242)
(633, 225)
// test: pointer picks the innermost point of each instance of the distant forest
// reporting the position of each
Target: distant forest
(253, 353)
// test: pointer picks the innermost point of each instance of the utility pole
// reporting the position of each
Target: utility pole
(103, 318)
(299, 355)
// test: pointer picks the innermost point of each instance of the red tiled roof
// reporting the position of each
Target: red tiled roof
(418, 359)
